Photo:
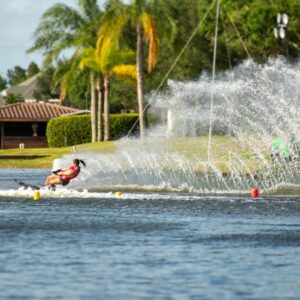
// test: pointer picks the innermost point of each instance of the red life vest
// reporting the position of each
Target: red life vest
(75, 171)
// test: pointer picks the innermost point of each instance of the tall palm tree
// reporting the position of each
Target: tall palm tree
(63, 27)
(108, 60)
(87, 59)
(151, 19)
(141, 31)
(95, 84)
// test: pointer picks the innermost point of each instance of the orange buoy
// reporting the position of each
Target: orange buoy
(255, 192)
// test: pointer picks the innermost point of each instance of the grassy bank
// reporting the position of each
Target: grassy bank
(43, 157)
(226, 151)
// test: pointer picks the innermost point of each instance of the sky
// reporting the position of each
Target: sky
(18, 21)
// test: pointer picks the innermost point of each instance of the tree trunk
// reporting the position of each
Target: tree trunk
(140, 77)
(106, 108)
(99, 116)
(93, 108)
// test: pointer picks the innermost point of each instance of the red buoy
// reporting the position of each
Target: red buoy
(255, 192)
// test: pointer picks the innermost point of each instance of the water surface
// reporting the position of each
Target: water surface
(146, 245)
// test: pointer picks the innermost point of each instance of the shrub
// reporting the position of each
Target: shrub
(74, 130)
(68, 131)
(120, 125)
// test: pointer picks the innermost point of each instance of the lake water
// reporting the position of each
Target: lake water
(80, 245)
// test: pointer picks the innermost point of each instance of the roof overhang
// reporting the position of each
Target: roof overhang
(24, 120)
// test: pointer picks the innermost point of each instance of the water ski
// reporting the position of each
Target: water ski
(27, 185)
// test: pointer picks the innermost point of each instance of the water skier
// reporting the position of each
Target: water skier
(64, 176)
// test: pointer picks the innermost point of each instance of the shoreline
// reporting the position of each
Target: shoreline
(26, 168)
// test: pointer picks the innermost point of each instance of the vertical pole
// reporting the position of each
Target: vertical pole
(213, 83)
(140, 78)
(170, 123)
(99, 113)
(285, 42)
(106, 108)
(93, 108)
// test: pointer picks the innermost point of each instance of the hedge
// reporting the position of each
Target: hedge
(120, 125)
(74, 130)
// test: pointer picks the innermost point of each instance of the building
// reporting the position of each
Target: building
(24, 89)
(24, 124)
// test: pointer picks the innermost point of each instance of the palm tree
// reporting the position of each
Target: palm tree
(96, 101)
(109, 57)
(151, 19)
(106, 60)
(70, 70)
(141, 31)
(63, 27)
(87, 59)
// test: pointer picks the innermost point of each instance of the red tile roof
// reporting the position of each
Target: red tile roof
(33, 111)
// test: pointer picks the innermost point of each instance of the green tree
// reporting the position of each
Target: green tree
(16, 75)
(3, 83)
(257, 24)
(78, 89)
(150, 19)
(106, 61)
(195, 57)
(32, 69)
(13, 98)
(63, 27)
(109, 58)
(44, 88)
(88, 61)
(248, 26)
(123, 96)
(65, 76)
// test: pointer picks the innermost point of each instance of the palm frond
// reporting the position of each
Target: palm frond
(60, 16)
(150, 35)
(119, 57)
(126, 73)
(161, 13)
(65, 72)
(108, 40)
(87, 59)
(52, 54)
(63, 27)
(89, 9)
(63, 88)
(56, 32)
(139, 8)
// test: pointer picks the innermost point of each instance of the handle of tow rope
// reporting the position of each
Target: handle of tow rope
(56, 171)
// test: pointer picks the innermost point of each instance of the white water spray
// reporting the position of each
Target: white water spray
(253, 104)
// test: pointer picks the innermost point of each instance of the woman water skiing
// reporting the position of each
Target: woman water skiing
(64, 176)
